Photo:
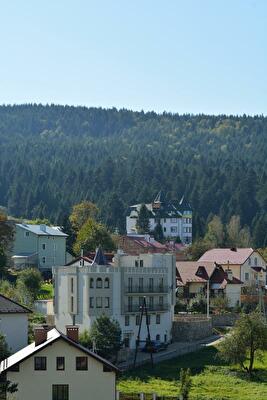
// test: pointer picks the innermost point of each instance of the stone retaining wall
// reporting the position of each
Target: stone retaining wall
(189, 330)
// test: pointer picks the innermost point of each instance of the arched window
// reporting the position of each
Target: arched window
(106, 284)
(99, 284)
(91, 283)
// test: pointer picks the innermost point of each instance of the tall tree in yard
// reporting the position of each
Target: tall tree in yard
(91, 235)
(81, 213)
(6, 237)
(246, 342)
(105, 334)
(142, 223)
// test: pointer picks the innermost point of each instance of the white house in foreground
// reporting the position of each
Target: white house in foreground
(56, 367)
(41, 246)
(87, 288)
(175, 217)
(14, 323)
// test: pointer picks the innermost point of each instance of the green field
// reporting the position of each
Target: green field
(46, 292)
(212, 380)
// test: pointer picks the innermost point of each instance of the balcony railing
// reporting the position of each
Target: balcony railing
(146, 289)
(150, 308)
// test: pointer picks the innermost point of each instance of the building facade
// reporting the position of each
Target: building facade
(41, 246)
(87, 288)
(195, 278)
(13, 319)
(175, 218)
(56, 367)
(247, 264)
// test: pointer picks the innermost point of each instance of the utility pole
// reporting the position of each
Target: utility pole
(208, 298)
(148, 341)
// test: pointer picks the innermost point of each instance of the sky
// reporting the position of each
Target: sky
(184, 56)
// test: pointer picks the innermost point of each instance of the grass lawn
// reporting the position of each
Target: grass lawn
(212, 380)
(46, 291)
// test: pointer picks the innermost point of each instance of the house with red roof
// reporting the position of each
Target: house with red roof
(246, 264)
(193, 278)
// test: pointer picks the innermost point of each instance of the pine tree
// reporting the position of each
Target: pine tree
(142, 223)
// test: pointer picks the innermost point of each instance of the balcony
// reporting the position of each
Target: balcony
(146, 289)
(135, 308)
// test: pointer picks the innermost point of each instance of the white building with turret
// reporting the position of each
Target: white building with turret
(175, 218)
(86, 289)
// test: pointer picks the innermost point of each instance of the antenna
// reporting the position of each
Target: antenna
(148, 340)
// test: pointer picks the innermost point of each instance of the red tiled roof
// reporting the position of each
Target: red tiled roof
(190, 271)
(223, 256)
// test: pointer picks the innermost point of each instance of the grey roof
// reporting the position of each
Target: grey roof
(52, 336)
(100, 258)
(8, 306)
(43, 230)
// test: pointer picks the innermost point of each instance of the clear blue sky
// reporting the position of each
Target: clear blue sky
(182, 56)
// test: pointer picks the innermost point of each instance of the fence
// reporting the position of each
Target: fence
(144, 396)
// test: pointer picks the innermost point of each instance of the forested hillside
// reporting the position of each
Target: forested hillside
(54, 156)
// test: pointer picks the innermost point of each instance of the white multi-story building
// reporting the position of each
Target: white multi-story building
(175, 218)
(86, 288)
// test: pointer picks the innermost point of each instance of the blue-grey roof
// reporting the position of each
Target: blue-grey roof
(43, 230)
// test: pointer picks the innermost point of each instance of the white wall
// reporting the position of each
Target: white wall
(93, 384)
(15, 329)
(233, 293)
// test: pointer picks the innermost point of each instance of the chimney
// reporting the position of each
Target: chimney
(72, 332)
(40, 335)
(229, 274)
(43, 227)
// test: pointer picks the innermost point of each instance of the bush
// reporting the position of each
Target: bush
(198, 304)
(31, 279)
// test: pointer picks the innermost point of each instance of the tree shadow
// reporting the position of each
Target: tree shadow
(170, 369)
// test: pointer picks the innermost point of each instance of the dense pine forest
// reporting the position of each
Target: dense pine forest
(52, 157)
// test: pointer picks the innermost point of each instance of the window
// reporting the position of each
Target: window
(141, 263)
(91, 283)
(151, 284)
(136, 263)
(106, 302)
(27, 234)
(127, 320)
(161, 301)
(141, 284)
(137, 320)
(99, 302)
(164, 220)
(106, 284)
(71, 284)
(60, 392)
(173, 220)
(43, 246)
(60, 363)
(158, 319)
(246, 276)
(173, 229)
(158, 337)
(127, 342)
(99, 283)
(249, 261)
(151, 303)
(130, 284)
(130, 303)
(40, 363)
(91, 302)
(43, 260)
(161, 284)
(81, 363)
(255, 261)
(164, 229)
